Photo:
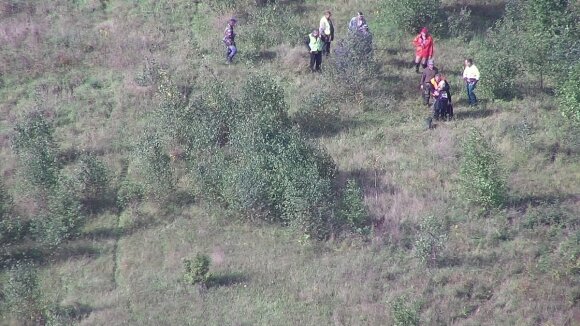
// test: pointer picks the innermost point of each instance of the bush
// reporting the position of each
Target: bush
(431, 239)
(197, 270)
(352, 207)
(404, 312)
(37, 150)
(411, 15)
(92, 177)
(155, 166)
(482, 179)
(129, 192)
(62, 218)
(459, 24)
(569, 96)
(22, 293)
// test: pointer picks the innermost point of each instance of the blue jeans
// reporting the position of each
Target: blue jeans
(232, 50)
(471, 98)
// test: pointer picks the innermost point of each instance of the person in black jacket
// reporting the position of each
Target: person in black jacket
(442, 108)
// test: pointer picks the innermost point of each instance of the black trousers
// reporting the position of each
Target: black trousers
(326, 46)
(315, 61)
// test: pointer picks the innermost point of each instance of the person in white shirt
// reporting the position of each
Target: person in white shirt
(471, 78)
(326, 30)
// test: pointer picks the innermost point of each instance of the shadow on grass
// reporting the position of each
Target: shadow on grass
(228, 279)
(483, 16)
(42, 256)
(472, 113)
(522, 203)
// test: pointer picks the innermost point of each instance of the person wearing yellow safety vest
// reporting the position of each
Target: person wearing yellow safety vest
(442, 108)
(315, 45)
(326, 30)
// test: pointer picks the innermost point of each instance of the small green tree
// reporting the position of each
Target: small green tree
(37, 151)
(405, 312)
(22, 294)
(352, 208)
(482, 179)
(92, 177)
(197, 270)
(431, 239)
(569, 95)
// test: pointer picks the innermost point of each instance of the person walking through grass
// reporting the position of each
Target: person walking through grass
(229, 40)
(428, 74)
(315, 45)
(326, 30)
(471, 78)
(424, 44)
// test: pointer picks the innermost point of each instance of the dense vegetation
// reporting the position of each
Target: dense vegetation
(146, 182)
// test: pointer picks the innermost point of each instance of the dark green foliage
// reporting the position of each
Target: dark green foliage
(22, 294)
(410, 15)
(92, 177)
(11, 227)
(37, 150)
(155, 166)
(459, 24)
(482, 178)
(355, 68)
(405, 312)
(129, 192)
(197, 270)
(62, 217)
(352, 207)
(246, 155)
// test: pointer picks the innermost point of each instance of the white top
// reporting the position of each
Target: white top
(471, 72)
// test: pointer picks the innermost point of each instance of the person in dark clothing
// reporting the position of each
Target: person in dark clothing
(428, 74)
(326, 30)
(314, 45)
(229, 40)
(442, 108)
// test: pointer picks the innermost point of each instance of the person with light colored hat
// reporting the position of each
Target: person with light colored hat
(428, 74)
(229, 40)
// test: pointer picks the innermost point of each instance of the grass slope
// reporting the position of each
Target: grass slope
(80, 60)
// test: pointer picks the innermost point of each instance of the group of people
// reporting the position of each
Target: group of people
(319, 40)
(433, 84)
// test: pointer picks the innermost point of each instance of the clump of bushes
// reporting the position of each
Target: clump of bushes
(245, 154)
(411, 15)
(569, 95)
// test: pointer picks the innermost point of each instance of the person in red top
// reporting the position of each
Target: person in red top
(423, 48)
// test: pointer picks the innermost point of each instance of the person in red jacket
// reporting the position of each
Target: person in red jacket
(423, 48)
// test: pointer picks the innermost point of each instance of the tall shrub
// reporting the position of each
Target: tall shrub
(482, 178)
(37, 150)
(569, 95)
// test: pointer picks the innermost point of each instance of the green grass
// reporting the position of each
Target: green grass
(517, 265)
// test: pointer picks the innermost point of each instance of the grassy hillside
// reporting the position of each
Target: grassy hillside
(95, 71)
